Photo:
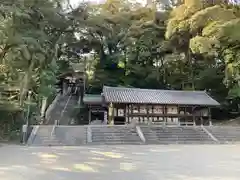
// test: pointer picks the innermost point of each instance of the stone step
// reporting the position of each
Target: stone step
(110, 138)
(180, 139)
(185, 143)
(225, 134)
(115, 135)
(176, 135)
(114, 142)
(176, 138)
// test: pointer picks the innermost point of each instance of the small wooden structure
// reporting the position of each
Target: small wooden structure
(75, 77)
(96, 107)
(149, 106)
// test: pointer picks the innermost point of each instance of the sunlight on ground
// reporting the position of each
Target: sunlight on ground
(84, 168)
(47, 161)
(153, 162)
(47, 156)
(62, 154)
(97, 159)
(61, 169)
(67, 147)
(95, 164)
(4, 168)
(108, 154)
(127, 166)
(183, 177)
(164, 150)
(138, 153)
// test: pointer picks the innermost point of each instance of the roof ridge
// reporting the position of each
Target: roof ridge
(144, 89)
(157, 96)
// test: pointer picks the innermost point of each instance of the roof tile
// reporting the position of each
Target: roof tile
(153, 96)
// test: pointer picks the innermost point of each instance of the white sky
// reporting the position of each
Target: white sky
(75, 2)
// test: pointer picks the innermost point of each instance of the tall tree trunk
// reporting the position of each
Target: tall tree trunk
(102, 56)
(25, 83)
(43, 106)
(125, 62)
(164, 70)
(190, 63)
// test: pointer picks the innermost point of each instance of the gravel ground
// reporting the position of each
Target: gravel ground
(172, 162)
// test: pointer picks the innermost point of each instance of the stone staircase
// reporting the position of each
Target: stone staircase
(225, 134)
(48, 135)
(115, 135)
(72, 135)
(44, 137)
(175, 135)
(59, 136)
(62, 110)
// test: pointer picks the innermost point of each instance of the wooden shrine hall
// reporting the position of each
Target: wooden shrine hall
(118, 105)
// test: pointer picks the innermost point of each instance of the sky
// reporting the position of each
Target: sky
(75, 2)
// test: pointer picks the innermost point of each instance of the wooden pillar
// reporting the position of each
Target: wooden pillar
(193, 115)
(209, 116)
(201, 120)
(178, 117)
(89, 115)
(185, 117)
(105, 117)
(125, 114)
(164, 113)
(139, 117)
(110, 114)
(127, 111)
(147, 109)
(132, 117)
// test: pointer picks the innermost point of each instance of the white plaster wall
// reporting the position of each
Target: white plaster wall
(172, 110)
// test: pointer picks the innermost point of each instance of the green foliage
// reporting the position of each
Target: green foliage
(32, 36)
(191, 45)
(204, 45)
(234, 92)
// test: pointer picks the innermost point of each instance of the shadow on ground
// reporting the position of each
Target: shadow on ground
(173, 162)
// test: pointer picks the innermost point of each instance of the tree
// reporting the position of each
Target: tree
(33, 36)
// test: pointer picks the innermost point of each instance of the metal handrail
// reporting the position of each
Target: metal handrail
(54, 127)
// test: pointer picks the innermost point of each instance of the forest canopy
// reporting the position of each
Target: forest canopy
(185, 44)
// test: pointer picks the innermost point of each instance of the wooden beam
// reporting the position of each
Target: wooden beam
(162, 115)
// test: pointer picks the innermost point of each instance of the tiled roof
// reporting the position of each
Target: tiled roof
(152, 96)
(92, 99)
